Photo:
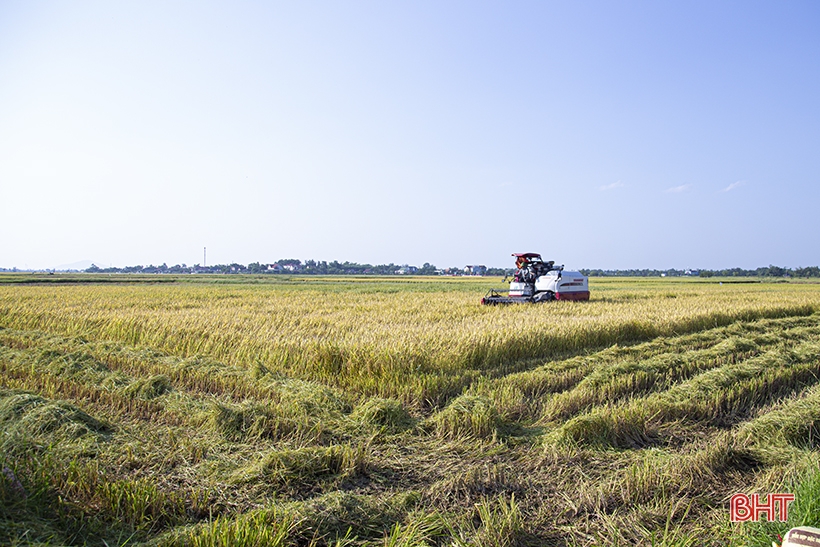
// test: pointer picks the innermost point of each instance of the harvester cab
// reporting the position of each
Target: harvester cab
(535, 280)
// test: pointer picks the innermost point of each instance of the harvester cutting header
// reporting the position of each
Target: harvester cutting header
(537, 281)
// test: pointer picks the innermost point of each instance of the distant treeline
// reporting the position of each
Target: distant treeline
(769, 271)
(321, 267)
(308, 267)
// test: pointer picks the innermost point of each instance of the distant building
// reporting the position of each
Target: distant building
(475, 270)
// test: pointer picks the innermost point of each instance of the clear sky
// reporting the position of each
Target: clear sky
(600, 134)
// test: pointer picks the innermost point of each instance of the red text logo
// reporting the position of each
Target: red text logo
(743, 508)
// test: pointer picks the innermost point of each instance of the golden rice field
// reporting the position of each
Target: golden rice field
(152, 410)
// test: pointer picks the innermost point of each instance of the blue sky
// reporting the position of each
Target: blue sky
(600, 134)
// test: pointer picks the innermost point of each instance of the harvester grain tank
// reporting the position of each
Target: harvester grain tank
(537, 281)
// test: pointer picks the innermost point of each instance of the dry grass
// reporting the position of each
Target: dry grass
(379, 339)
(399, 412)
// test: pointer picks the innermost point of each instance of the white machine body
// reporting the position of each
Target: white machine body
(566, 285)
(521, 289)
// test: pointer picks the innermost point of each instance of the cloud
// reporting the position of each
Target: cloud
(678, 189)
(734, 185)
(617, 184)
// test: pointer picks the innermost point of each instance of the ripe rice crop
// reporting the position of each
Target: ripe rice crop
(383, 339)
(376, 411)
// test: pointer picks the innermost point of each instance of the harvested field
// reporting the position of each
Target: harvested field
(382, 411)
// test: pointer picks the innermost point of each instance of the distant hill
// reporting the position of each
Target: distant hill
(82, 265)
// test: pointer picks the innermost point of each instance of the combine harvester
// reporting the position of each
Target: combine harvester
(538, 281)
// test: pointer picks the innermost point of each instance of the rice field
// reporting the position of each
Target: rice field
(240, 410)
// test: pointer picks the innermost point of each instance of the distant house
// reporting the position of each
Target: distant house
(284, 268)
(475, 270)
(407, 270)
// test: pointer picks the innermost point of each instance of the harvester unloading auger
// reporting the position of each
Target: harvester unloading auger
(537, 281)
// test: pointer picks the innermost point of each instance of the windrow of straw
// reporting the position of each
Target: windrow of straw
(721, 396)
